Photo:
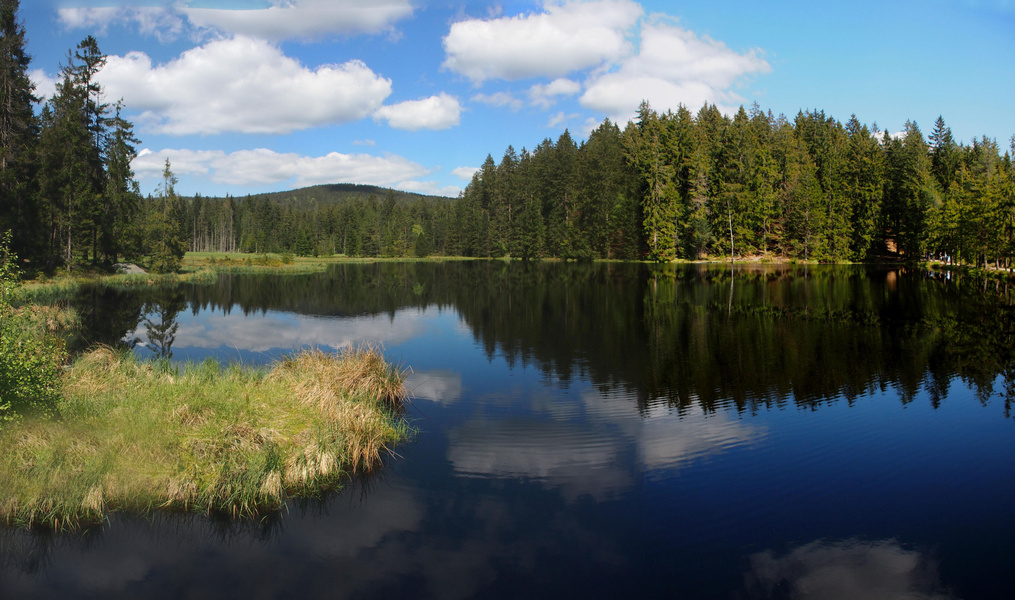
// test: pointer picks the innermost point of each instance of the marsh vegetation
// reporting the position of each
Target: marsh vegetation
(137, 435)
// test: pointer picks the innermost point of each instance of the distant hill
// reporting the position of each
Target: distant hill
(335, 193)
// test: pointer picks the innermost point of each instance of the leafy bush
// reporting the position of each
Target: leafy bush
(29, 360)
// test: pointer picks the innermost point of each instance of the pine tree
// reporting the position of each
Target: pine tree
(67, 170)
(647, 151)
(87, 61)
(944, 154)
(908, 192)
(19, 132)
(528, 234)
(863, 186)
(164, 226)
(505, 197)
(118, 227)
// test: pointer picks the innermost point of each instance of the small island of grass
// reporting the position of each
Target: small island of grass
(131, 435)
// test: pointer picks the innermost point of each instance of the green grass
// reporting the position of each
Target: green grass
(45, 291)
(287, 263)
(137, 436)
(64, 286)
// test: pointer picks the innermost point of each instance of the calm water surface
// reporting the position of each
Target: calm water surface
(601, 431)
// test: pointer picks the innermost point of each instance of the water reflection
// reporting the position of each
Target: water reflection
(276, 330)
(682, 335)
(577, 459)
(173, 556)
(159, 325)
(588, 443)
(848, 569)
(668, 440)
(607, 431)
(443, 386)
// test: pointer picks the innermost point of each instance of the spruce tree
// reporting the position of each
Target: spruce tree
(118, 228)
(19, 133)
(168, 244)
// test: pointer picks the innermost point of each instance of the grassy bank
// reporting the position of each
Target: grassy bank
(287, 263)
(137, 436)
(46, 290)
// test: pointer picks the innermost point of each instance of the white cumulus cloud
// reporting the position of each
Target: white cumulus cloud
(302, 18)
(559, 119)
(465, 173)
(429, 188)
(673, 66)
(89, 17)
(241, 85)
(498, 99)
(545, 95)
(562, 38)
(163, 23)
(261, 166)
(45, 86)
(284, 19)
(436, 112)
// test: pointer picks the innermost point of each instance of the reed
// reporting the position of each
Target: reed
(134, 435)
(46, 291)
(44, 319)
(199, 275)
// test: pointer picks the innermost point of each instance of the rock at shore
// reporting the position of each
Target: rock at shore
(129, 269)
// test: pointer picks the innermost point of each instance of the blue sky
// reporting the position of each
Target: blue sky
(249, 96)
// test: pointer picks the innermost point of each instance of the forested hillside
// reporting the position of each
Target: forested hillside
(357, 220)
(674, 185)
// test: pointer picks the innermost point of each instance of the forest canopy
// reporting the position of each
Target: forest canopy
(675, 185)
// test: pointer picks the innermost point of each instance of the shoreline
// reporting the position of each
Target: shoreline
(204, 267)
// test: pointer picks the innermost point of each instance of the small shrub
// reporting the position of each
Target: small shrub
(29, 359)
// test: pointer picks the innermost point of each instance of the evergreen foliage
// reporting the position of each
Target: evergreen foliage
(708, 185)
(19, 131)
(165, 230)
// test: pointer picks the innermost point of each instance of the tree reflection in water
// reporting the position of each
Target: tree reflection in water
(755, 337)
(159, 323)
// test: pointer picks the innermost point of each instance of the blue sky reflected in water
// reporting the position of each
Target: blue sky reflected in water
(261, 337)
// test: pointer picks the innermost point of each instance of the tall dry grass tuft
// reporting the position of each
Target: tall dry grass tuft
(137, 435)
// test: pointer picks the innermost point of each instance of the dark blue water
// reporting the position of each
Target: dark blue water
(602, 431)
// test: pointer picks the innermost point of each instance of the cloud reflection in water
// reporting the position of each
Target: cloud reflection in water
(273, 330)
(585, 445)
(848, 569)
(441, 385)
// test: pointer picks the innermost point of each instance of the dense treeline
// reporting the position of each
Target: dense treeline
(560, 200)
(678, 185)
(395, 225)
(69, 194)
(674, 185)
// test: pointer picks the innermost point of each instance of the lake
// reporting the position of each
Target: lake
(604, 431)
